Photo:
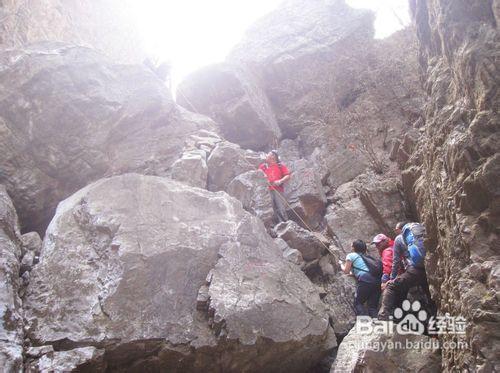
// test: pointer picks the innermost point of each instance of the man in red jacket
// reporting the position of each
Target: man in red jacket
(277, 174)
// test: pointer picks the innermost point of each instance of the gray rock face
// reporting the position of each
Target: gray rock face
(203, 140)
(251, 189)
(289, 151)
(364, 207)
(305, 194)
(311, 245)
(122, 265)
(79, 359)
(326, 77)
(338, 166)
(69, 116)
(11, 326)
(191, 168)
(231, 96)
(31, 242)
(363, 353)
(452, 174)
(271, 41)
(339, 300)
(226, 162)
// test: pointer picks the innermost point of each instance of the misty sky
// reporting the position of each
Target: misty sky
(194, 33)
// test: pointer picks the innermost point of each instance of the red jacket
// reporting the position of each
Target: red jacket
(387, 255)
(274, 172)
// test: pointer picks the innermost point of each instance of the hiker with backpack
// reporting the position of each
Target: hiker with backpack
(367, 271)
(410, 245)
(277, 175)
(399, 252)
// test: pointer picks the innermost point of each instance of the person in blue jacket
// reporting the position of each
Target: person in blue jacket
(368, 287)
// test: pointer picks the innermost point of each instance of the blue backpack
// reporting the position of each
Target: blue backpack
(413, 236)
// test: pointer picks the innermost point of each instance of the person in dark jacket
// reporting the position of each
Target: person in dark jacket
(368, 286)
(398, 286)
(399, 252)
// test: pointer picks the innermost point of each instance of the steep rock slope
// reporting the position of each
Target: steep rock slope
(167, 277)
(452, 175)
(68, 116)
(339, 96)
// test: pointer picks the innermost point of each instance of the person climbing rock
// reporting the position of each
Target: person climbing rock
(384, 246)
(410, 244)
(368, 285)
(277, 175)
(399, 252)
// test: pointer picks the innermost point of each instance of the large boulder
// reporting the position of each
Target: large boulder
(231, 96)
(227, 161)
(191, 168)
(252, 190)
(168, 277)
(379, 351)
(11, 326)
(304, 194)
(68, 116)
(311, 245)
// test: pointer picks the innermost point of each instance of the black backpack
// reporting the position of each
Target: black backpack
(374, 265)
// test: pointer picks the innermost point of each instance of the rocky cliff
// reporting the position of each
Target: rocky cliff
(451, 177)
(159, 248)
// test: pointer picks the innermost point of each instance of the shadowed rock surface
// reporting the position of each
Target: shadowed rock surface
(123, 261)
(231, 96)
(452, 178)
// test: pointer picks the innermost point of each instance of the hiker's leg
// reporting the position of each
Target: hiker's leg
(362, 295)
(396, 290)
(274, 201)
(280, 206)
(373, 300)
